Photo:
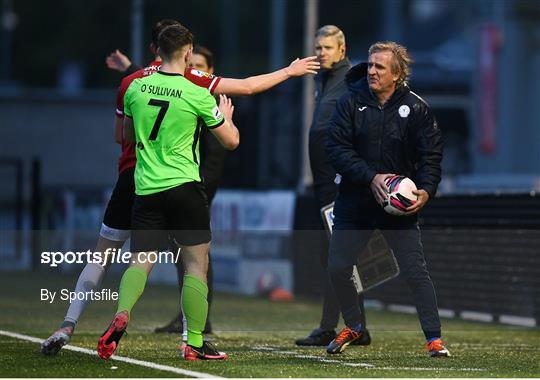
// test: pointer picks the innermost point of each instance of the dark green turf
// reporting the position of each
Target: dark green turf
(242, 323)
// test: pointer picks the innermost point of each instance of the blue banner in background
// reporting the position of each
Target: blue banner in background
(251, 234)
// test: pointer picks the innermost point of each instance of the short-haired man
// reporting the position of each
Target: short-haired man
(116, 226)
(212, 163)
(330, 84)
(162, 113)
(380, 128)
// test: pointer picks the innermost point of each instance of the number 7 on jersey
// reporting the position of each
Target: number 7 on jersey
(164, 106)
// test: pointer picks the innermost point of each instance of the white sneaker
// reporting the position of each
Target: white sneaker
(56, 341)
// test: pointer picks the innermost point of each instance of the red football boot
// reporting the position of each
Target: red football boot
(108, 343)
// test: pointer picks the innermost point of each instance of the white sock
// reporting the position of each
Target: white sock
(89, 279)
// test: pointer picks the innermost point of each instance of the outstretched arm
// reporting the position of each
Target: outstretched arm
(120, 62)
(256, 84)
(117, 61)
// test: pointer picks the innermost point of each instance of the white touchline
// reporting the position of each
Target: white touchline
(314, 357)
(364, 365)
(124, 359)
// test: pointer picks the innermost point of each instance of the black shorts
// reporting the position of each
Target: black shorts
(118, 212)
(180, 213)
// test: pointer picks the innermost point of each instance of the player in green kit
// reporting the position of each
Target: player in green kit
(162, 117)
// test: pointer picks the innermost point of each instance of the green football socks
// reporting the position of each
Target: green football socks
(131, 288)
(195, 308)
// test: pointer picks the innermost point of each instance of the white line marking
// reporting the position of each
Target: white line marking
(476, 316)
(447, 313)
(518, 321)
(313, 357)
(484, 347)
(408, 309)
(363, 365)
(374, 304)
(124, 359)
(431, 369)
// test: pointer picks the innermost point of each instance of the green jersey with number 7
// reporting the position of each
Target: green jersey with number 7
(167, 110)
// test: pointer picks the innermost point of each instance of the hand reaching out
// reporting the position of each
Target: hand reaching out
(117, 61)
(299, 67)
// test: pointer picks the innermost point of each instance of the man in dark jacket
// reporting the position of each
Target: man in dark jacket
(330, 86)
(380, 128)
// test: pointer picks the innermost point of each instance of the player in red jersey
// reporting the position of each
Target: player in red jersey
(116, 226)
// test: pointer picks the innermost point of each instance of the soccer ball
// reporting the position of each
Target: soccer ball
(400, 194)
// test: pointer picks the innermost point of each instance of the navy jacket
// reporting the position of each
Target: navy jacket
(330, 86)
(365, 139)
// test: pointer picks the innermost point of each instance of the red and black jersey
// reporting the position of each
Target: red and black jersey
(200, 78)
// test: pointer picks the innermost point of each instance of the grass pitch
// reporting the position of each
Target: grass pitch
(257, 334)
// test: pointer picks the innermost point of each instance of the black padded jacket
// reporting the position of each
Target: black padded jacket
(330, 86)
(400, 137)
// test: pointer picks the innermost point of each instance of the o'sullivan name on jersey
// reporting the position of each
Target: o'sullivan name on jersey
(164, 91)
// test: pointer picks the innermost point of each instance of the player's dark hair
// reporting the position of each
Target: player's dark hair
(160, 25)
(206, 53)
(172, 39)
